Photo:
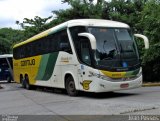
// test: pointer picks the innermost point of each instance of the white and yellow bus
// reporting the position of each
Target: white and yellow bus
(80, 55)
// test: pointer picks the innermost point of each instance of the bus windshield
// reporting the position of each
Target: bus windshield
(115, 47)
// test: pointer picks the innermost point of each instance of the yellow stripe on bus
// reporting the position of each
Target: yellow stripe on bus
(114, 74)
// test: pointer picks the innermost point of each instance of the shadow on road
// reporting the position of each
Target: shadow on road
(63, 92)
(103, 95)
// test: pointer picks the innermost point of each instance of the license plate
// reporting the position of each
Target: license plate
(126, 85)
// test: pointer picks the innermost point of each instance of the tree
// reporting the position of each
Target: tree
(150, 22)
(34, 26)
(4, 46)
(8, 37)
(127, 11)
(79, 9)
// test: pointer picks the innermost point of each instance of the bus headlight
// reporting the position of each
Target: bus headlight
(104, 77)
(98, 76)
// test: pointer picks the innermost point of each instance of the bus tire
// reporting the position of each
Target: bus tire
(70, 87)
(22, 82)
(27, 85)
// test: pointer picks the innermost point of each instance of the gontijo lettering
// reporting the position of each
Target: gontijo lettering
(28, 62)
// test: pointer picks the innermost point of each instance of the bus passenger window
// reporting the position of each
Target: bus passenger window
(64, 44)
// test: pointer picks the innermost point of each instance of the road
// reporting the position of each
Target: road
(18, 101)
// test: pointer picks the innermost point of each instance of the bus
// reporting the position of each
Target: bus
(6, 66)
(90, 55)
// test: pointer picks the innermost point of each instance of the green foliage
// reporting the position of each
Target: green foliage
(8, 37)
(4, 45)
(34, 26)
(79, 10)
(125, 11)
(150, 22)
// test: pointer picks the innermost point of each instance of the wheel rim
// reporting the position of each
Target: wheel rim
(71, 87)
(27, 83)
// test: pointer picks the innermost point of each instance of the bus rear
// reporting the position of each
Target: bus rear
(6, 66)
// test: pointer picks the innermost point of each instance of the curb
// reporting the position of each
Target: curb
(150, 84)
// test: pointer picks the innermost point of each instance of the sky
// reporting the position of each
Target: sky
(16, 10)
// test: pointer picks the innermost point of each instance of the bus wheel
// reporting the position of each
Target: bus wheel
(70, 87)
(27, 85)
(22, 81)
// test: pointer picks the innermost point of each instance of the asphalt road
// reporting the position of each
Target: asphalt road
(15, 100)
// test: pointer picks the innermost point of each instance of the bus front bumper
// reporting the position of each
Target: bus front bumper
(100, 85)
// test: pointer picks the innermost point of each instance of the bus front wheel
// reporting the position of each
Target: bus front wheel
(70, 86)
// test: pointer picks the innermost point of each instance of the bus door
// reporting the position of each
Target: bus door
(85, 58)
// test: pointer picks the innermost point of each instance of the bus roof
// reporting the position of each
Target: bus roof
(96, 22)
(6, 55)
(76, 22)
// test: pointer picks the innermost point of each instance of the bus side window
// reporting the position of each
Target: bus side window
(22, 51)
(64, 44)
(53, 43)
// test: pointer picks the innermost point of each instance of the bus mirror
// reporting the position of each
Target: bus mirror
(146, 41)
(91, 38)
